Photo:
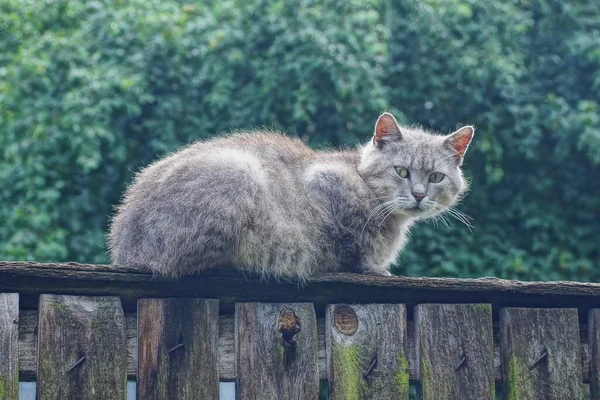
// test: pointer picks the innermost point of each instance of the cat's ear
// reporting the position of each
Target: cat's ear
(459, 142)
(386, 129)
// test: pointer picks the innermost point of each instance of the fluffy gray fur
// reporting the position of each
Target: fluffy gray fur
(268, 204)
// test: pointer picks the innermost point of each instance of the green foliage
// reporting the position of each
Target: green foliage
(527, 74)
(92, 91)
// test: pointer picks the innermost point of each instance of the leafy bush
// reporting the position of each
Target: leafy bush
(527, 74)
(91, 91)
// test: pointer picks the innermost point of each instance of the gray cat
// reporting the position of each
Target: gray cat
(268, 204)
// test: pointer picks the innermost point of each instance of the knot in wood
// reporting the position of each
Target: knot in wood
(289, 324)
(345, 320)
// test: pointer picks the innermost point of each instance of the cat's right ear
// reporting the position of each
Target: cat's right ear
(459, 142)
(386, 130)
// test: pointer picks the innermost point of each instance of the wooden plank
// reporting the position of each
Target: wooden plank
(82, 351)
(131, 284)
(540, 354)
(178, 349)
(276, 351)
(594, 352)
(454, 346)
(28, 320)
(28, 351)
(9, 342)
(366, 352)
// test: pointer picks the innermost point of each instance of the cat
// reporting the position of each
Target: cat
(266, 203)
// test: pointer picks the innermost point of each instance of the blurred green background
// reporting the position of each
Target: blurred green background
(90, 91)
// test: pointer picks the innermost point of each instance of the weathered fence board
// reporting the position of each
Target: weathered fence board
(540, 354)
(454, 351)
(9, 341)
(82, 351)
(28, 348)
(276, 351)
(131, 284)
(30, 279)
(178, 349)
(366, 352)
(594, 351)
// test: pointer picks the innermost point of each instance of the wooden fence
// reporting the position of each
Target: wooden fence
(80, 331)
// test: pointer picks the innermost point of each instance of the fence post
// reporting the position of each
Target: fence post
(455, 351)
(594, 351)
(276, 351)
(178, 349)
(541, 353)
(82, 350)
(9, 342)
(366, 352)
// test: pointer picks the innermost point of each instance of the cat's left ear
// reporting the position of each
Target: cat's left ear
(459, 142)
(386, 129)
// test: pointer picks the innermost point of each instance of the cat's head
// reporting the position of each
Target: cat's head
(417, 174)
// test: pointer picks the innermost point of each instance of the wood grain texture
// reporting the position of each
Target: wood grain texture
(594, 352)
(9, 342)
(527, 335)
(178, 349)
(70, 328)
(276, 351)
(366, 352)
(131, 284)
(28, 348)
(455, 351)
(28, 320)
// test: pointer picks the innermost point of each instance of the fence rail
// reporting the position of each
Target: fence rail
(81, 330)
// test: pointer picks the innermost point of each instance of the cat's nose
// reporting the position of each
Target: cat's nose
(418, 196)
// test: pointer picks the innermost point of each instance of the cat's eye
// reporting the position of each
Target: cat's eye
(436, 177)
(402, 172)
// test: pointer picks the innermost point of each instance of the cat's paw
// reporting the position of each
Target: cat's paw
(380, 272)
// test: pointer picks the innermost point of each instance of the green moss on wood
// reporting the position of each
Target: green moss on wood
(348, 377)
(45, 364)
(8, 389)
(9, 384)
(402, 377)
(519, 382)
(424, 378)
(92, 383)
(281, 348)
(483, 308)
(444, 384)
(164, 375)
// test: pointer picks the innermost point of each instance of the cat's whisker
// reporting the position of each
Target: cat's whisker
(385, 214)
(457, 214)
(375, 199)
(384, 218)
(465, 222)
(446, 221)
(441, 218)
(379, 210)
(387, 210)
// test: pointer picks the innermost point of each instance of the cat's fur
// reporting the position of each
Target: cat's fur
(266, 203)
